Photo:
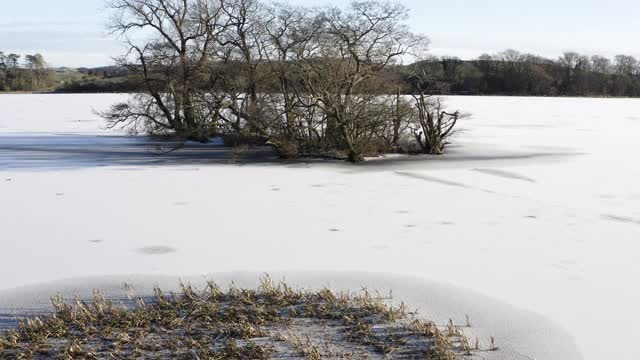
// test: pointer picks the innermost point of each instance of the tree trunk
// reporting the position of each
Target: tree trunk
(396, 122)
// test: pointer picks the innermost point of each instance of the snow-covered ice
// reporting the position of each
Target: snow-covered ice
(536, 206)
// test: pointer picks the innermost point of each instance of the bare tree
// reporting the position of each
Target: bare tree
(510, 56)
(171, 64)
(450, 67)
(37, 68)
(12, 61)
(432, 125)
(601, 64)
(289, 33)
(626, 65)
(569, 60)
(340, 71)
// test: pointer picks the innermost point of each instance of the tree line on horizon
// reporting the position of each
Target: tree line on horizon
(31, 74)
(509, 73)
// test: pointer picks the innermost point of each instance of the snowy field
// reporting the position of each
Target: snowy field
(537, 206)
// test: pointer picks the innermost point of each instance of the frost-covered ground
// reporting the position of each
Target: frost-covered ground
(537, 206)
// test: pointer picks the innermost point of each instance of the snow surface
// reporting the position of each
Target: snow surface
(536, 206)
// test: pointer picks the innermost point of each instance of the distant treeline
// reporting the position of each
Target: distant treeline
(121, 84)
(513, 73)
(506, 73)
(28, 75)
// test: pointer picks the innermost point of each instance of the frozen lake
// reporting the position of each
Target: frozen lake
(537, 205)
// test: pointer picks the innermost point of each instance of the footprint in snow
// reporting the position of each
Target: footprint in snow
(560, 267)
(156, 250)
(607, 196)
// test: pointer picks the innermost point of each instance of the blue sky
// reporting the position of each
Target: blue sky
(72, 32)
